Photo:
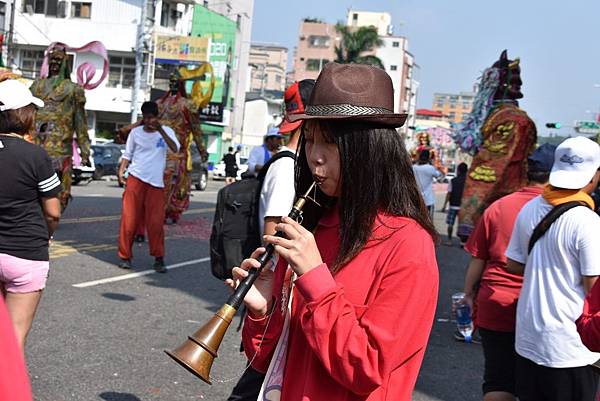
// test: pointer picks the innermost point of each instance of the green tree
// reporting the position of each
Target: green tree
(354, 43)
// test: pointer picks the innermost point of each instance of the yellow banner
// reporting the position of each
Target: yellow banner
(175, 49)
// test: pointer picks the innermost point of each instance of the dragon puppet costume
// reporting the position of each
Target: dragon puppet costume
(500, 136)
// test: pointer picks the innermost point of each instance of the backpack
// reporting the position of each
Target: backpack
(236, 231)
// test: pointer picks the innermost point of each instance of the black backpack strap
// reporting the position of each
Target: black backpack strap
(551, 217)
(263, 171)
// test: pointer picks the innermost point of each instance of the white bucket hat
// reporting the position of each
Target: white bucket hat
(576, 160)
(14, 95)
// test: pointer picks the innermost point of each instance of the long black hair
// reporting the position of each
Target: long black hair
(376, 177)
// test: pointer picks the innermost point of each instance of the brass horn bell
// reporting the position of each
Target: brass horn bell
(198, 352)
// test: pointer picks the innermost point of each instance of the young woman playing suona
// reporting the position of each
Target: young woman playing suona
(364, 286)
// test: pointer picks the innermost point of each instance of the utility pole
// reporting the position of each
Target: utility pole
(10, 42)
(139, 60)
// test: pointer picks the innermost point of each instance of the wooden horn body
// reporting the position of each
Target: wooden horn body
(198, 352)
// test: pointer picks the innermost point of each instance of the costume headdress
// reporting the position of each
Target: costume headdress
(86, 71)
(199, 98)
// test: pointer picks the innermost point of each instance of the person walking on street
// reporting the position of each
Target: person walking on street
(337, 333)
(494, 290)
(454, 198)
(554, 243)
(231, 166)
(30, 208)
(425, 173)
(145, 158)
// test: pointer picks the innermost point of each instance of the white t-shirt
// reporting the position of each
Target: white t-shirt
(425, 173)
(147, 154)
(552, 296)
(278, 191)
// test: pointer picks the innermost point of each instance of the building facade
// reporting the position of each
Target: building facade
(455, 106)
(382, 21)
(268, 65)
(316, 47)
(37, 23)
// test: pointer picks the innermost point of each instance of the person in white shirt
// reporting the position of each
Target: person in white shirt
(145, 157)
(425, 173)
(559, 270)
(276, 200)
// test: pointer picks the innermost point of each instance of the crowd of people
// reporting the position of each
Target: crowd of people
(345, 310)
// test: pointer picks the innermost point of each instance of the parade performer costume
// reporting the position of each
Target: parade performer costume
(181, 113)
(63, 119)
(500, 136)
(424, 144)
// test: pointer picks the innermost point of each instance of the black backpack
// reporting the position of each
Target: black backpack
(236, 231)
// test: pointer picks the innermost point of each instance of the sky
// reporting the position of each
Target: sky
(558, 43)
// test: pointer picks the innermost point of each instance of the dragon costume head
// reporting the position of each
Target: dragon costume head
(509, 78)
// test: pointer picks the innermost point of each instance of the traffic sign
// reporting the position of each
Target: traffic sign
(587, 127)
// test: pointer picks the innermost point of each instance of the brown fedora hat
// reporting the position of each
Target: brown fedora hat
(353, 92)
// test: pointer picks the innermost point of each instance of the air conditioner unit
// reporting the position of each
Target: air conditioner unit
(176, 14)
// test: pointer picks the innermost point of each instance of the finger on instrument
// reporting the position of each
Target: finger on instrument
(239, 273)
(289, 230)
(249, 263)
(294, 223)
(278, 241)
(258, 252)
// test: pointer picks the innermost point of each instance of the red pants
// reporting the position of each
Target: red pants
(142, 201)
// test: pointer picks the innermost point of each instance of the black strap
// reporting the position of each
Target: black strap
(550, 218)
(263, 171)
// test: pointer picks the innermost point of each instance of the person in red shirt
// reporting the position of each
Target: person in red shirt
(14, 382)
(364, 287)
(495, 289)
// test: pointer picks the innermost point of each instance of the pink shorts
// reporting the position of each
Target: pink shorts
(22, 275)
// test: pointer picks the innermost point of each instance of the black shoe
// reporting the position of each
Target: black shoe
(140, 238)
(159, 265)
(475, 338)
(125, 264)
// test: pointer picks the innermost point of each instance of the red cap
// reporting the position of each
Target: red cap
(293, 105)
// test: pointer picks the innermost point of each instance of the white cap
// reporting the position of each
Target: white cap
(576, 160)
(14, 95)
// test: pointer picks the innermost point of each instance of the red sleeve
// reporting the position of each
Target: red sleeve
(14, 382)
(259, 344)
(477, 244)
(360, 347)
(588, 324)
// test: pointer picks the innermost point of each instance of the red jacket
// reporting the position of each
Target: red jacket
(588, 324)
(14, 382)
(361, 333)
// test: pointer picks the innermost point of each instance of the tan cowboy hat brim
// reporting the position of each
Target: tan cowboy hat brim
(391, 120)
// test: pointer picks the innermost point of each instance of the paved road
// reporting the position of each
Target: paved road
(100, 333)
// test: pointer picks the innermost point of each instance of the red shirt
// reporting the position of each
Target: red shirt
(361, 333)
(499, 289)
(14, 382)
(588, 325)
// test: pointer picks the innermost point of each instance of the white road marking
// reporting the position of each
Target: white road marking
(136, 274)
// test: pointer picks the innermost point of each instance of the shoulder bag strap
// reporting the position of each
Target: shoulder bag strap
(550, 218)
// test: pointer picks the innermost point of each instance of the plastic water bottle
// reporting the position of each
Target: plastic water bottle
(462, 312)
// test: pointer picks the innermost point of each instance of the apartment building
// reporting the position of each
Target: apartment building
(268, 65)
(316, 47)
(455, 106)
(380, 20)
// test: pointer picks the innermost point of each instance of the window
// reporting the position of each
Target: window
(301, 58)
(169, 15)
(395, 44)
(313, 64)
(318, 41)
(451, 115)
(355, 16)
(31, 62)
(121, 72)
(393, 67)
(81, 10)
(278, 78)
(50, 8)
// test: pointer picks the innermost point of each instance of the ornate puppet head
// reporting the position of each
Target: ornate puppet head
(176, 85)
(509, 78)
(58, 61)
(423, 139)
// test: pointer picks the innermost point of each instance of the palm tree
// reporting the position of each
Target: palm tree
(356, 42)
